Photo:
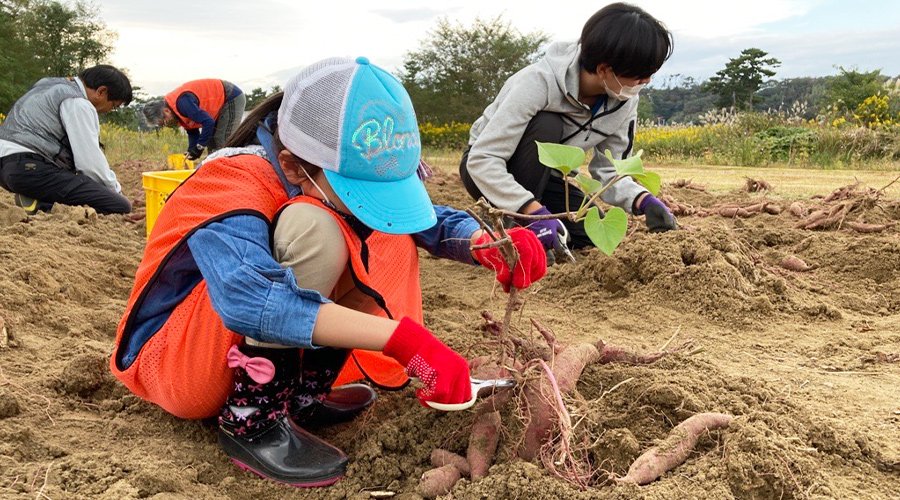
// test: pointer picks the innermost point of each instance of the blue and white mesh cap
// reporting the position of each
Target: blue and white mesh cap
(357, 122)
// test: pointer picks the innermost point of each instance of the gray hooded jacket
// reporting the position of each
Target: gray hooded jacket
(550, 84)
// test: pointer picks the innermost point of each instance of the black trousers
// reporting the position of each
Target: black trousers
(32, 175)
(548, 189)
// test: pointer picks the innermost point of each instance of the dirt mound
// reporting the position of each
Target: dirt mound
(710, 272)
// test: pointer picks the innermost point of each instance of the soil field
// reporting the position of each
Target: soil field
(807, 361)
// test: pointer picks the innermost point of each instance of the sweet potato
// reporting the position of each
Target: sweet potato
(440, 458)
(540, 418)
(755, 208)
(814, 220)
(483, 444)
(485, 367)
(764, 206)
(494, 402)
(732, 212)
(794, 263)
(439, 481)
(842, 193)
(567, 368)
(772, 208)
(674, 449)
(616, 354)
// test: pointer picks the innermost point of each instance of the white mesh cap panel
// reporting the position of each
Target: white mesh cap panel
(309, 119)
(320, 116)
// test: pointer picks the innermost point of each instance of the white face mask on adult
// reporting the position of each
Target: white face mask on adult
(626, 91)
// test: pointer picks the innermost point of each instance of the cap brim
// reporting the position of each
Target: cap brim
(398, 207)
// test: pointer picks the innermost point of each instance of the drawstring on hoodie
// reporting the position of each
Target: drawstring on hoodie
(587, 125)
(601, 102)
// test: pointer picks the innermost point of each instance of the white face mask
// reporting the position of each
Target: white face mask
(626, 92)
(325, 196)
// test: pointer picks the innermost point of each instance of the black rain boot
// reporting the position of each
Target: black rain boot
(255, 431)
(315, 402)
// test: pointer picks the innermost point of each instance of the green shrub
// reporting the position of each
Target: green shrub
(754, 139)
(452, 135)
(786, 144)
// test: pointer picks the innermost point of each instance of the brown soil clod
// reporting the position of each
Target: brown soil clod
(861, 227)
(798, 210)
(688, 184)
(4, 334)
(882, 357)
(756, 185)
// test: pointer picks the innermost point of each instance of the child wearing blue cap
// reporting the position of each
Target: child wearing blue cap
(287, 266)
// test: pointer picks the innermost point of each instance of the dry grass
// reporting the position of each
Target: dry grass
(786, 182)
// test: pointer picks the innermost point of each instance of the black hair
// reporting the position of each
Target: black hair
(245, 134)
(118, 87)
(632, 42)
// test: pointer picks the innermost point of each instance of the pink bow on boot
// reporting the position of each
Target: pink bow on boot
(261, 370)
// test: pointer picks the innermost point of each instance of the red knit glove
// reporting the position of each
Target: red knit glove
(532, 259)
(444, 373)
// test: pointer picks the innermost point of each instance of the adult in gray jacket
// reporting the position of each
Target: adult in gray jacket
(50, 143)
(583, 94)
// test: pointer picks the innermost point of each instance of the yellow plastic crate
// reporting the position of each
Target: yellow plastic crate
(158, 186)
(177, 161)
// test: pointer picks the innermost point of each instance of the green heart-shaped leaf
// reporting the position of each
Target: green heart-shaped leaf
(649, 180)
(629, 166)
(559, 156)
(608, 232)
(588, 184)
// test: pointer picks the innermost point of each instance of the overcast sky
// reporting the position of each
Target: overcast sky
(259, 43)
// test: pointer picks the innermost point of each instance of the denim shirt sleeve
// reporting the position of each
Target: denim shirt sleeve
(249, 290)
(449, 238)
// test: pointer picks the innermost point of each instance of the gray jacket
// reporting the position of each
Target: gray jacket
(550, 84)
(34, 121)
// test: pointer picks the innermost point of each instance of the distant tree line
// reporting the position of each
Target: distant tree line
(455, 72)
(47, 38)
(680, 99)
(458, 70)
(40, 38)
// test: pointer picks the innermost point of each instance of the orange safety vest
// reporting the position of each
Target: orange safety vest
(210, 92)
(181, 366)
(390, 277)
